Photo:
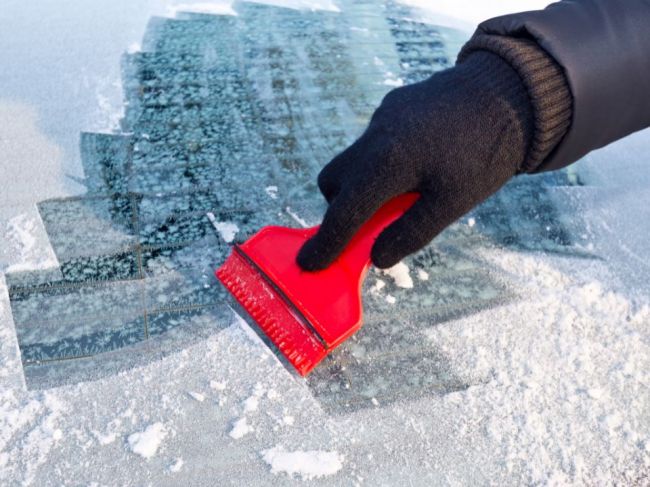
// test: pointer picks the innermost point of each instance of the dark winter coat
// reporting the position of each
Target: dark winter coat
(603, 47)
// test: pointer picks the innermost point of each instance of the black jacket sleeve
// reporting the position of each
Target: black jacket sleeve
(603, 49)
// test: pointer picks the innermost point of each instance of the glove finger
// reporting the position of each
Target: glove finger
(408, 234)
(333, 175)
(347, 212)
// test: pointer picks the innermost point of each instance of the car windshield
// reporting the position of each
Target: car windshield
(139, 142)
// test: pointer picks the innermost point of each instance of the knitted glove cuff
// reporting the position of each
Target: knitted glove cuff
(545, 83)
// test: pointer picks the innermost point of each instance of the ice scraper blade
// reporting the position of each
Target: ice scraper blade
(306, 315)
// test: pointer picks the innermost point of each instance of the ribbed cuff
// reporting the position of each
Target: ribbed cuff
(545, 83)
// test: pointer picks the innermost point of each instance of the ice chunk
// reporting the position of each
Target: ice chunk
(400, 274)
(197, 396)
(307, 464)
(227, 230)
(176, 466)
(240, 428)
(147, 442)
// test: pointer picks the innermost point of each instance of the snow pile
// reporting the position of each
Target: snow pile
(176, 466)
(251, 404)
(219, 7)
(29, 430)
(147, 442)
(307, 464)
(565, 373)
(300, 221)
(240, 428)
(218, 385)
(197, 396)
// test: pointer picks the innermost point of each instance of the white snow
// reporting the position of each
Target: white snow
(146, 443)
(240, 428)
(558, 374)
(272, 191)
(565, 371)
(394, 82)
(227, 230)
(218, 7)
(176, 466)
(197, 396)
(471, 222)
(105, 438)
(252, 403)
(422, 275)
(378, 286)
(308, 465)
(296, 217)
(22, 235)
(218, 385)
(400, 273)
(390, 299)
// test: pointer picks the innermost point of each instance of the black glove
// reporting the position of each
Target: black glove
(455, 138)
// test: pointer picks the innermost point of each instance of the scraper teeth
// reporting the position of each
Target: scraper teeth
(289, 335)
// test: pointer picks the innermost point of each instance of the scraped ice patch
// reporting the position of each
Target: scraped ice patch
(308, 465)
(146, 443)
(227, 230)
(240, 428)
(272, 191)
(132, 49)
(400, 274)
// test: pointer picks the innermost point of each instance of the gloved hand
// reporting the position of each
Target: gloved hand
(455, 138)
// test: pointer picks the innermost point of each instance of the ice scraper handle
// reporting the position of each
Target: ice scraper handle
(357, 253)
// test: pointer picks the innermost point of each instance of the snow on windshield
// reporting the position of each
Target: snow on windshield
(509, 350)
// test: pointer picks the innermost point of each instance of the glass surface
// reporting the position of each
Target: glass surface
(236, 116)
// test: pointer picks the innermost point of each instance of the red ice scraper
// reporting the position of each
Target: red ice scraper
(305, 314)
